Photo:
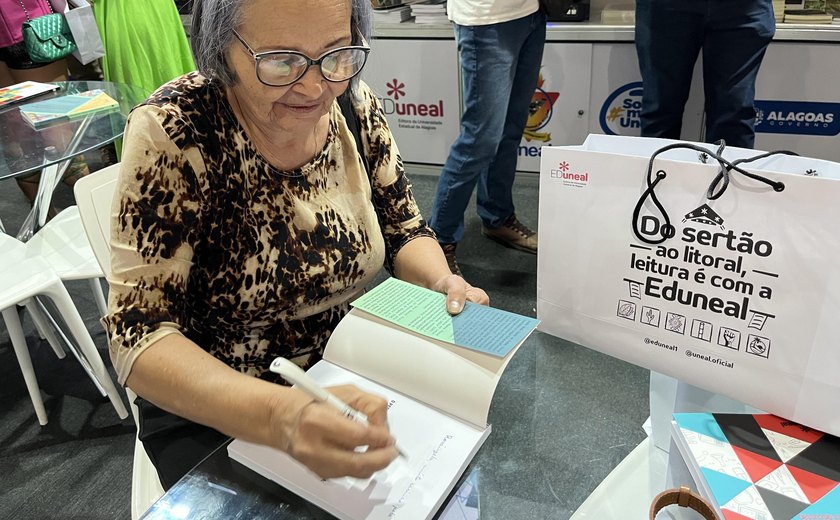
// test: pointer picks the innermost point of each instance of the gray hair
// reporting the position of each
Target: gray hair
(211, 33)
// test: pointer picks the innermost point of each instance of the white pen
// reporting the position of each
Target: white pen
(295, 375)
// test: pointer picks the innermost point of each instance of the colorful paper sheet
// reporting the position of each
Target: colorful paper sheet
(478, 327)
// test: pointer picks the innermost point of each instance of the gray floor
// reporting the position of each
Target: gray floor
(79, 465)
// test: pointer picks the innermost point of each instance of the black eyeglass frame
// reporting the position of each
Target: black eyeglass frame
(259, 56)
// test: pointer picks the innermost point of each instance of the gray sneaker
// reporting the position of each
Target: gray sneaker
(513, 234)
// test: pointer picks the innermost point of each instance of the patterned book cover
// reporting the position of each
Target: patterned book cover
(68, 108)
(761, 467)
(23, 91)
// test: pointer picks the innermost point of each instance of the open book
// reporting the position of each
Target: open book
(439, 398)
(760, 466)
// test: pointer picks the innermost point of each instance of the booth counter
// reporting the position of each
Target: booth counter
(590, 83)
(594, 32)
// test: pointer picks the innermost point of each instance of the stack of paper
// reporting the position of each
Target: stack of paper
(396, 14)
(760, 466)
(621, 14)
(430, 12)
(68, 108)
(816, 16)
(779, 10)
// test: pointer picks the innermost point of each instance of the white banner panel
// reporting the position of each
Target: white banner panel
(558, 109)
(417, 82)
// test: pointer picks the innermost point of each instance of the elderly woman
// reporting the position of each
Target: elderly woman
(245, 223)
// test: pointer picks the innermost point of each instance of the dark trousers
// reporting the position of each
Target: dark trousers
(733, 35)
(174, 444)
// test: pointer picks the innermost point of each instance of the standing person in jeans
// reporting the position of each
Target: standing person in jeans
(733, 34)
(500, 46)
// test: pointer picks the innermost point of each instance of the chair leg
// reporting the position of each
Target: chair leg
(68, 311)
(10, 316)
(98, 296)
(44, 329)
(71, 347)
(41, 334)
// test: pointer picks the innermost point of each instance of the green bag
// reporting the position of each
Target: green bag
(47, 38)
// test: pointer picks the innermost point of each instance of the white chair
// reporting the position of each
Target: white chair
(62, 241)
(21, 280)
(63, 244)
(94, 195)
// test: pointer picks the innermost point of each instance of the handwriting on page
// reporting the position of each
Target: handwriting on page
(438, 448)
(419, 475)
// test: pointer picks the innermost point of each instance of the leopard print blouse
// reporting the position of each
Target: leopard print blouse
(210, 241)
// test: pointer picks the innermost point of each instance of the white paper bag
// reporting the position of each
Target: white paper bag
(82, 24)
(742, 300)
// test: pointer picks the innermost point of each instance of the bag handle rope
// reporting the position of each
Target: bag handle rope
(723, 175)
(683, 497)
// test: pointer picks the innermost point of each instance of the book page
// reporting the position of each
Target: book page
(437, 447)
(456, 380)
(682, 444)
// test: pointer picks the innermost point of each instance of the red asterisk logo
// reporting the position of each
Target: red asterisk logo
(564, 166)
(396, 88)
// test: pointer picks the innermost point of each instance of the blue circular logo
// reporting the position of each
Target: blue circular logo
(620, 113)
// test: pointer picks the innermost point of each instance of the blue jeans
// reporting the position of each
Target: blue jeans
(500, 64)
(733, 34)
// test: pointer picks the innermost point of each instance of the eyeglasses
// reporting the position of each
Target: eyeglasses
(281, 68)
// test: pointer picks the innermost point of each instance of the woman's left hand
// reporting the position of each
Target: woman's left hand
(458, 291)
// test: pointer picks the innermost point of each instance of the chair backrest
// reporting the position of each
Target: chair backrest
(94, 194)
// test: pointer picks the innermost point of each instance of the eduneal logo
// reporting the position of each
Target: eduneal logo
(566, 173)
(396, 90)
(620, 113)
(797, 117)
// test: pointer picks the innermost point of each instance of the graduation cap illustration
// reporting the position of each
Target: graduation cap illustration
(705, 215)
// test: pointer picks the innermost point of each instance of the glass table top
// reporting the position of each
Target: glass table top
(24, 150)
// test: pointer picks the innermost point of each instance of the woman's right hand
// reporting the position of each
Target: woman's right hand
(325, 441)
